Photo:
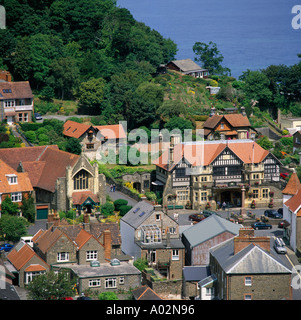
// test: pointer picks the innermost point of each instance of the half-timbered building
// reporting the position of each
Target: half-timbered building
(210, 173)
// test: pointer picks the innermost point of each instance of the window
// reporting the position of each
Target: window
(203, 196)
(30, 275)
(255, 193)
(222, 126)
(9, 103)
(181, 173)
(248, 297)
(20, 117)
(209, 291)
(172, 230)
(218, 171)
(265, 193)
(94, 283)
(204, 179)
(158, 217)
(12, 179)
(248, 281)
(81, 180)
(25, 117)
(182, 195)
(62, 256)
(16, 197)
(121, 280)
(110, 283)
(175, 254)
(90, 146)
(196, 196)
(91, 255)
(234, 171)
(255, 176)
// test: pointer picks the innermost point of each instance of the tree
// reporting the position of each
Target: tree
(108, 296)
(28, 208)
(178, 123)
(210, 57)
(91, 93)
(12, 228)
(51, 286)
(171, 108)
(141, 264)
(73, 146)
(265, 143)
(9, 207)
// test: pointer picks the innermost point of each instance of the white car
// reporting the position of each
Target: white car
(279, 246)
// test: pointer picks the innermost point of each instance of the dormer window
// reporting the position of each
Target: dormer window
(12, 179)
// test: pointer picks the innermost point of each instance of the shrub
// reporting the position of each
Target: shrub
(119, 203)
(150, 195)
(124, 210)
(108, 296)
(107, 209)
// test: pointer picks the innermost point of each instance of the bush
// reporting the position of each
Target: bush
(107, 209)
(124, 210)
(108, 296)
(150, 195)
(119, 203)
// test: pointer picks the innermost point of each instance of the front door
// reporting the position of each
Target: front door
(10, 120)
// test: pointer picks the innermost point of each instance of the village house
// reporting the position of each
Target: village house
(188, 67)
(204, 235)
(95, 140)
(148, 232)
(87, 253)
(16, 100)
(297, 140)
(228, 126)
(7, 289)
(13, 184)
(61, 180)
(292, 212)
(204, 175)
(246, 269)
(25, 264)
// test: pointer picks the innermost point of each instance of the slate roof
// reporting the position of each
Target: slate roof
(209, 228)
(135, 217)
(196, 273)
(145, 293)
(187, 65)
(250, 260)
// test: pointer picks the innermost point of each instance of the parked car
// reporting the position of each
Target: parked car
(284, 175)
(279, 246)
(261, 225)
(280, 211)
(273, 214)
(6, 247)
(37, 116)
(196, 217)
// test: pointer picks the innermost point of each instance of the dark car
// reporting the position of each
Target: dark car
(37, 116)
(6, 247)
(261, 225)
(196, 217)
(280, 211)
(284, 175)
(273, 214)
(84, 298)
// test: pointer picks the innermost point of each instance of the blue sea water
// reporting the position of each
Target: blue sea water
(250, 34)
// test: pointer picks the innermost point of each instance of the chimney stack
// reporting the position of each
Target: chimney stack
(107, 239)
(246, 237)
(86, 222)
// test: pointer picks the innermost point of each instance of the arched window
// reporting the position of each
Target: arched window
(81, 180)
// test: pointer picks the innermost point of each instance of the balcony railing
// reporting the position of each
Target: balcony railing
(24, 108)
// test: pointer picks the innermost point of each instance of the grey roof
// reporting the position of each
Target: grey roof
(207, 281)
(250, 260)
(105, 269)
(187, 65)
(196, 273)
(174, 243)
(135, 216)
(209, 228)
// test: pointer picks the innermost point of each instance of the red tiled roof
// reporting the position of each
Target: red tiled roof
(79, 197)
(35, 267)
(115, 131)
(235, 120)
(75, 129)
(197, 155)
(293, 185)
(294, 203)
(19, 90)
(82, 238)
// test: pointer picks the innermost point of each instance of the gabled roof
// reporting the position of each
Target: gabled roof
(114, 131)
(138, 214)
(209, 228)
(44, 164)
(204, 153)
(75, 129)
(196, 273)
(236, 120)
(145, 293)
(79, 197)
(294, 203)
(83, 237)
(15, 90)
(23, 182)
(187, 65)
(21, 254)
(293, 185)
(250, 260)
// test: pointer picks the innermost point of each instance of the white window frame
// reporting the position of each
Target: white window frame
(94, 283)
(91, 255)
(110, 283)
(12, 179)
(121, 280)
(248, 281)
(175, 256)
(16, 196)
(30, 275)
(62, 256)
(9, 103)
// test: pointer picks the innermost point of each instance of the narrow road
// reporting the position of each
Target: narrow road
(119, 195)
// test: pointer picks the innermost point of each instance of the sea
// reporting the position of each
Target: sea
(250, 34)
